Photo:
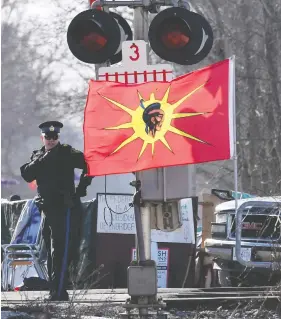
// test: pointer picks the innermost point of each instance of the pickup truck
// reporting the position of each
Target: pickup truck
(260, 242)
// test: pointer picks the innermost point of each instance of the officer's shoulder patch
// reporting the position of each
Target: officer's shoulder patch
(70, 148)
(73, 150)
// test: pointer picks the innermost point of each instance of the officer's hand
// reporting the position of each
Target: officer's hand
(81, 191)
(41, 157)
(36, 159)
(45, 155)
(48, 155)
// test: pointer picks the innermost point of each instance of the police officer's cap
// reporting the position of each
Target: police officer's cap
(50, 126)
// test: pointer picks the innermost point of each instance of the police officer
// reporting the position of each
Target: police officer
(52, 167)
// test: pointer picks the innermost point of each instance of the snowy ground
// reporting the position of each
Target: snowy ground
(247, 311)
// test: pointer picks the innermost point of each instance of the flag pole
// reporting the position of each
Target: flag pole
(233, 102)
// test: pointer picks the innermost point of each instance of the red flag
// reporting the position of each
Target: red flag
(132, 127)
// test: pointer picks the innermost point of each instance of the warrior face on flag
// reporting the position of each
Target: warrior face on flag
(153, 117)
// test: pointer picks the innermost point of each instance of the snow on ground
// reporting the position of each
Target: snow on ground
(249, 311)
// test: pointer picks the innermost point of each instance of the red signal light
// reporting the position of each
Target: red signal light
(175, 39)
(95, 36)
(180, 36)
(94, 42)
(174, 33)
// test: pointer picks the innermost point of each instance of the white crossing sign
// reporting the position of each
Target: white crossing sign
(134, 67)
(134, 53)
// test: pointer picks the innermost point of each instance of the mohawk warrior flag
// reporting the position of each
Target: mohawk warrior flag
(133, 127)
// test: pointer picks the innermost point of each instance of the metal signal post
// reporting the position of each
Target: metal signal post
(141, 33)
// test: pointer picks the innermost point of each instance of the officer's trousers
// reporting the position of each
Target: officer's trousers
(56, 232)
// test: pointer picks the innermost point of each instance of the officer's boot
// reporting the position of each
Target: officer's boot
(55, 297)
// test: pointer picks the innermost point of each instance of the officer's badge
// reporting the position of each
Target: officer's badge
(51, 128)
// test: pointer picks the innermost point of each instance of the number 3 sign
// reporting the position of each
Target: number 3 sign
(134, 53)
(134, 68)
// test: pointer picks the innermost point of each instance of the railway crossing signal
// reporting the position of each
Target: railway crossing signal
(181, 36)
(175, 34)
(95, 36)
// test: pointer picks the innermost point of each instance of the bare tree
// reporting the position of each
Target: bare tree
(249, 30)
(29, 87)
(21, 87)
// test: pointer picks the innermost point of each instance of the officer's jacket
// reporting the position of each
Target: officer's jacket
(54, 172)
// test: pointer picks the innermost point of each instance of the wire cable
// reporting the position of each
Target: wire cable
(111, 211)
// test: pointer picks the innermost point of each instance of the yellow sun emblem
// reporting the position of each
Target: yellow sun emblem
(151, 120)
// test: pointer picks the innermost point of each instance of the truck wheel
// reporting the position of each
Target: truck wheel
(224, 278)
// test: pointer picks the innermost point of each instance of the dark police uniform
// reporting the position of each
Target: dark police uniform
(53, 171)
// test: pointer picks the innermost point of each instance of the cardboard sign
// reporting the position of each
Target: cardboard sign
(115, 216)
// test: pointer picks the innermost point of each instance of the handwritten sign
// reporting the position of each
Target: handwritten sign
(115, 215)
(184, 234)
(162, 263)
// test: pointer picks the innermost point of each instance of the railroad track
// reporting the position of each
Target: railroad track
(230, 293)
(171, 297)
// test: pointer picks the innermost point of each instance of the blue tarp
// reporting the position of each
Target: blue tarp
(28, 225)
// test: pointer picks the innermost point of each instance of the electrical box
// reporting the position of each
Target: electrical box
(166, 216)
(170, 183)
(142, 280)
